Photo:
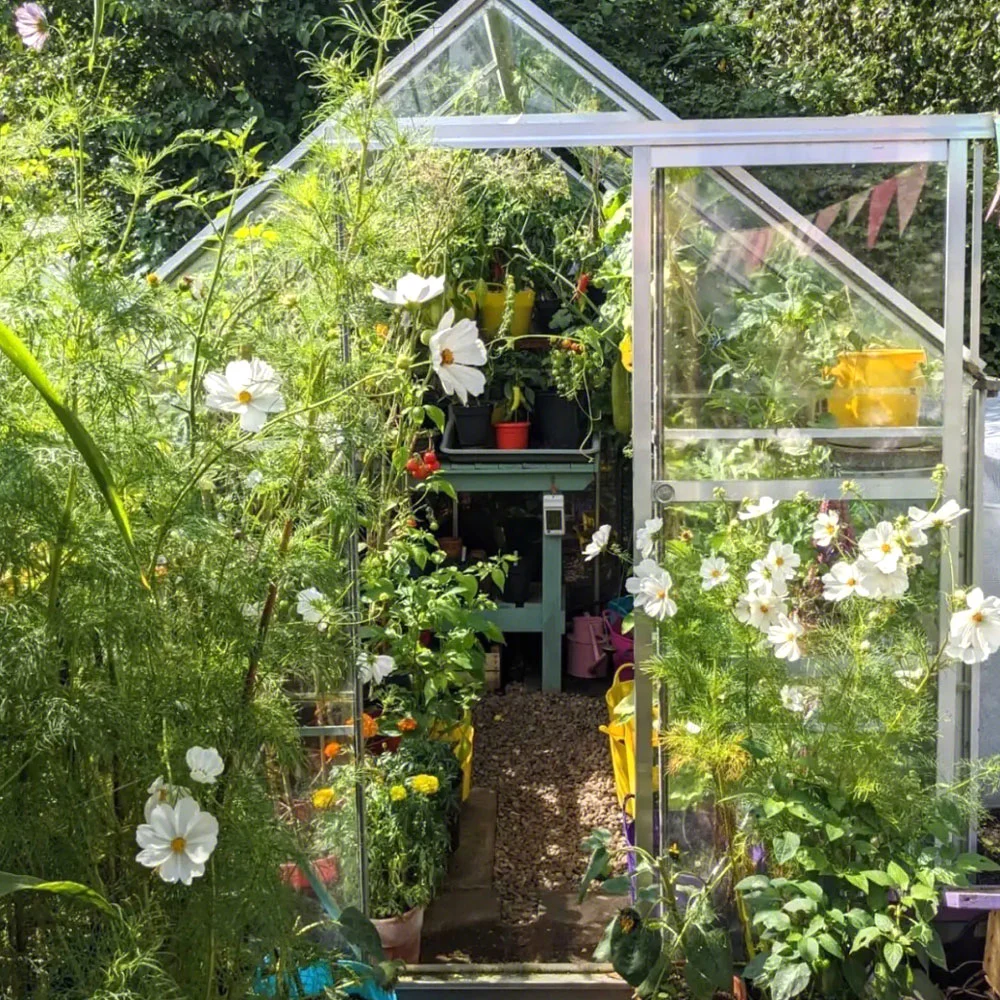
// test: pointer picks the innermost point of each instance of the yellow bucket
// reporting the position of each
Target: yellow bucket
(878, 387)
(492, 308)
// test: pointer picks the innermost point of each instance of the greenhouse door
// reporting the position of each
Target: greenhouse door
(767, 274)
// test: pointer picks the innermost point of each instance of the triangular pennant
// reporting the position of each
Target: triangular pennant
(909, 184)
(825, 217)
(757, 246)
(879, 208)
(855, 204)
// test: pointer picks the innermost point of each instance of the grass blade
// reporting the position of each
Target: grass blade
(18, 883)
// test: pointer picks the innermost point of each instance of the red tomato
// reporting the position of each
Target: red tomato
(431, 461)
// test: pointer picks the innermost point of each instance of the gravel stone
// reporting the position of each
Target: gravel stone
(551, 768)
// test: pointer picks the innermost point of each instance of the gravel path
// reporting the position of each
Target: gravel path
(548, 761)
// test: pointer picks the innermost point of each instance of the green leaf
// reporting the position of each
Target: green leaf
(893, 954)
(800, 904)
(790, 981)
(617, 886)
(437, 415)
(858, 881)
(864, 937)
(25, 363)
(809, 949)
(597, 867)
(708, 965)
(885, 923)
(830, 945)
(634, 952)
(878, 877)
(975, 863)
(898, 874)
(602, 953)
(923, 988)
(753, 883)
(833, 832)
(26, 883)
(786, 846)
(810, 889)
(360, 932)
(935, 950)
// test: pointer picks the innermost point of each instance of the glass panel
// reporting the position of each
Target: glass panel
(852, 707)
(890, 218)
(494, 64)
(780, 363)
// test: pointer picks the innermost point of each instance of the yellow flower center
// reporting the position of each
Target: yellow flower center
(830, 529)
(765, 608)
(716, 573)
(178, 844)
(245, 397)
(779, 561)
(978, 617)
(447, 358)
(886, 547)
(661, 595)
(851, 582)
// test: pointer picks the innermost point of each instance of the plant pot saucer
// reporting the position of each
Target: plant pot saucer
(585, 454)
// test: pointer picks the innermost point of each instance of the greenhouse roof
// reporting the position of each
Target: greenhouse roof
(482, 58)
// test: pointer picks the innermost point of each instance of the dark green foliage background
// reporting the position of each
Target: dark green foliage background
(206, 64)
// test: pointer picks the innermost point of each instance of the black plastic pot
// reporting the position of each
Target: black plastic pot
(558, 422)
(545, 311)
(472, 425)
(517, 590)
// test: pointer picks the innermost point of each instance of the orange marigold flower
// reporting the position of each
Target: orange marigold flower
(369, 727)
(332, 749)
(407, 725)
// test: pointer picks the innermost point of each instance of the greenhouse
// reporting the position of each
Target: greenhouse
(524, 542)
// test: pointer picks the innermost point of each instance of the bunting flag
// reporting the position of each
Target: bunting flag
(909, 184)
(882, 195)
(825, 217)
(855, 204)
(758, 243)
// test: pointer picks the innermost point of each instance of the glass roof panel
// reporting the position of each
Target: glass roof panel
(497, 63)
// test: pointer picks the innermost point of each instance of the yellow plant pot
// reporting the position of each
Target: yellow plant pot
(493, 304)
(621, 737)
(462, 737)
(878, 387)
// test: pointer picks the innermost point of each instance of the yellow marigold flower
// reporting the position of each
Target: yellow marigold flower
(426, 784)
(323, 798)
(397, 793)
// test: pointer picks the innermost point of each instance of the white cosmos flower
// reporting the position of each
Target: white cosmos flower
(411, 290)
(457, 354)
(375, 669)
(841, 582)
(205, 764)
(945, 514)
(912, 536)
(714, 571)
(312, 606)
(692, 728)
(975, 630)
(782, 561)
(250, 611)
(651, 588)
(764, 505)
(826, 527)
(761, 578)
(795, 699)
(249, 388)
(784, 636)
(644, 536)
(177, 841)
(879, 585)
(760, 608)
(598, 542)
(161, 791)
(254, 478)
(880, 546)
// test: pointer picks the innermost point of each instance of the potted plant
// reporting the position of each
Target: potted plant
(473, 426)
(496, 299)
(511, 418)
(578, 370)
(407, 847)
(516, 377)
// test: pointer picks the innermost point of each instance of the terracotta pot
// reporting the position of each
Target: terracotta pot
(400, 936)
(513, 436)
(327, 870)
(451, 547)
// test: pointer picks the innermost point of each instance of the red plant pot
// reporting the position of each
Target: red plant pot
(327, 870)
(514, 436)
